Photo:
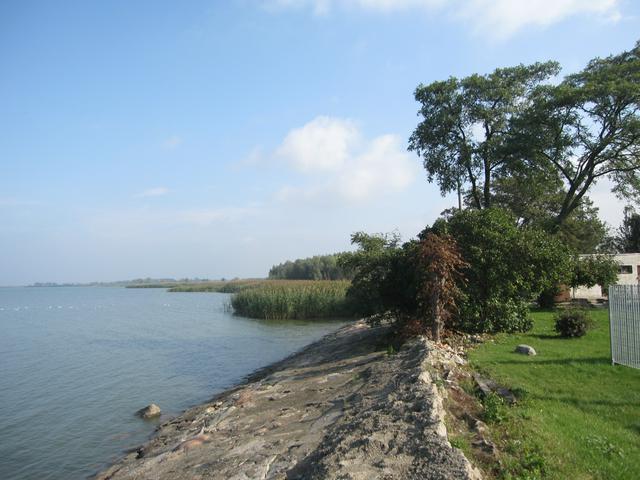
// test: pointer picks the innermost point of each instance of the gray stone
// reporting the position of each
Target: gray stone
(150, 411)
(488, 386)
(458, 359)
(525, 350)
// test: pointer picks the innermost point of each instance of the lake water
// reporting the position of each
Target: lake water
(76, 363)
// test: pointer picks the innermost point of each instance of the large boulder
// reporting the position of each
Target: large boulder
(150, 411)
(525, 350)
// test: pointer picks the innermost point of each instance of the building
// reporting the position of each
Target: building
(628, 274)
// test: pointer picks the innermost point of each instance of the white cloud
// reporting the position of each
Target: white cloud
(498, 19)
(341, 163)
(172, 142)
(504, 18)
(153, 192)
(321, 145)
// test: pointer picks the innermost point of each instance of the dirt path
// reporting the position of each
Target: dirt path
(339, 409)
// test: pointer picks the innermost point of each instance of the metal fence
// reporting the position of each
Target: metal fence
(624, 321)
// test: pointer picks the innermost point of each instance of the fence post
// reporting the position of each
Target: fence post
(613, 362)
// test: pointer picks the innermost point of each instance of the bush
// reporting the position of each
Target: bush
(384, 274)
(495, 315)
(573, 323)
(508, 268)
(494, 409)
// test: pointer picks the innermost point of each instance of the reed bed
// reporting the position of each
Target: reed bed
(231, 286)
(293, 299)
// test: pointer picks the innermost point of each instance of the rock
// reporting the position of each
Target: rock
(458, 359)
(150, 411)
(488, 386)
(525, 350)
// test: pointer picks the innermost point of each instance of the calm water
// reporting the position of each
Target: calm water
(76, 363)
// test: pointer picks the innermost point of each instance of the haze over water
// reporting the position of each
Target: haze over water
(76, 363)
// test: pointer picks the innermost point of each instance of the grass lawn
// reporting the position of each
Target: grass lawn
(578, 416)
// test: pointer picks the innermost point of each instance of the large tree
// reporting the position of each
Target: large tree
(462, 138)
(586, 128)
(535, 198)
(557, 139)
(627, 239)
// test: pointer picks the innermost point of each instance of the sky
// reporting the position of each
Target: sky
(218, 138)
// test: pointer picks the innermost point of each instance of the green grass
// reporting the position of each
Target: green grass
(293, 299)
(578, 416)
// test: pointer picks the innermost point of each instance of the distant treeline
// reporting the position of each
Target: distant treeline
(320, 267)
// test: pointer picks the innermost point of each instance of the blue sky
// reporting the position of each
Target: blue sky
(216, 138)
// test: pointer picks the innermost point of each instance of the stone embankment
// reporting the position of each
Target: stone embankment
(342, 408)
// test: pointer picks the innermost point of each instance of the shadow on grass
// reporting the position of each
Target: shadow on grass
(563, 361)
(543, 336)
(581, 402)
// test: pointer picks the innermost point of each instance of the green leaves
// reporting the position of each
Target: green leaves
(508, 268)
(462, 136)
(594, 270)
(478, 132)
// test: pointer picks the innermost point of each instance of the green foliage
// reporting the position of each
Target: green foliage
(320, 267)
(591, 270)
(627, 239)
(459, 442)
(572, 322)
(494, 408)
(383, 274)
(296, 299)
(585, 128)
(513, 140)
(508, 267)
(452, 110)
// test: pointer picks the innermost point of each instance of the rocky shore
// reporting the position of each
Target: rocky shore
(342, 408)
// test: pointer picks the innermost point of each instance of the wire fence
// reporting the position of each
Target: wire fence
(624, 322)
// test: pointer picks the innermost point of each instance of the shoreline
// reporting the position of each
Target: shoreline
(341, 407)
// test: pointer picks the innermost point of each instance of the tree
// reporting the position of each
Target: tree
(628, 238)
(383, 275)
(507, 268)
(462, 136)
(439, 268)
(478, 132)
(592, 270)
(586, 128)
(320, 267)
(535, 199)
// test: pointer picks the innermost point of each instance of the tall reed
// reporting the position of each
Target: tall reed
(293, 299)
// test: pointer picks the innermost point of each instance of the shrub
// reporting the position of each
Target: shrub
(508, 268)
(494, 409)
(573, 322)
(383, 274)
(439, 263)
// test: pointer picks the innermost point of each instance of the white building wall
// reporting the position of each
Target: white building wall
(625, 260)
